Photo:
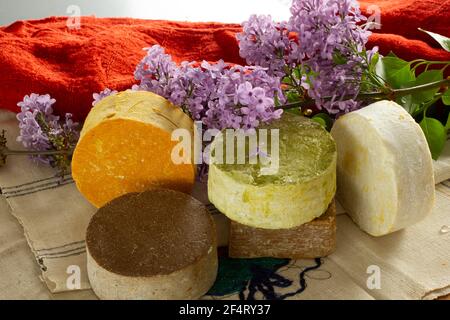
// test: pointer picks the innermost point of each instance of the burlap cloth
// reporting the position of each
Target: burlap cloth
(47, 214)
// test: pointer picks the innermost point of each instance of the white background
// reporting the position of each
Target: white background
(181, 10)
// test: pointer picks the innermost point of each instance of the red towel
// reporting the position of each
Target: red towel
(43, 56)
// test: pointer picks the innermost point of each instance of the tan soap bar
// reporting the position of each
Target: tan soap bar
(310, 240)
(159, 244)
(126, 146)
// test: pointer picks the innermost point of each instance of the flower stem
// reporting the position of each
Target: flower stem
(391, 94)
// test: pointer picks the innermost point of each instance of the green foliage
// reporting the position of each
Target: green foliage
(292, 95)
(374, 62)
(447, 126)
(401, 74)
(324, 120)
(446, 97)
(436, 135)
(443, 41)
(296, 111)
(424, 78)
(339, 58)
(396, 72)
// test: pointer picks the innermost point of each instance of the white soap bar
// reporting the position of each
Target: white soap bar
(385, 174)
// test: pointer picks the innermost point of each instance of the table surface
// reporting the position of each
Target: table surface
(193, 10)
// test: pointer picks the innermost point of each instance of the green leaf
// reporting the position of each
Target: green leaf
(408, 104)
(436, 135)
(379, 69)
(446, 98)
(397, 72)
(374, 61)
(447, 126)
(296, 111)
(292, 96)
(442, 40)
(324, 120)
(286, 80)
(276, 100)
(297, 73)
(338, 58)
(424, 78)
(392, 54)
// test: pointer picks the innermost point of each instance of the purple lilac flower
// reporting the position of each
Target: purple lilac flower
(41, 130)
(265, 43)
(327, 56)
(31, 133)
(105, 93)
(212, 93)
(156, 72)
(330, 41)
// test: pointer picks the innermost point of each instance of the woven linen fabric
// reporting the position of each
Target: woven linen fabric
(414, 263)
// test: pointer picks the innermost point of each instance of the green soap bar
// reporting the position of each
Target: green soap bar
(306, 151)
(298, 192)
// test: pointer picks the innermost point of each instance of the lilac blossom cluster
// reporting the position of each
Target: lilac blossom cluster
(41, 130)
(326, 57)
(266, 43)
(220, 95)
(105, 93)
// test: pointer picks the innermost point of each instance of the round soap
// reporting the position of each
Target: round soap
(159, 244)
(385, 169)
(126, 146)
(300, 191)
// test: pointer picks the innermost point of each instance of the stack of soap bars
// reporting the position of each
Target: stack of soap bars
(283, 212)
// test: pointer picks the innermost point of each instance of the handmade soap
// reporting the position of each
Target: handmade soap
(125, 146)
(300, 191)
(159, 244)
(310, 240)
(385, 171)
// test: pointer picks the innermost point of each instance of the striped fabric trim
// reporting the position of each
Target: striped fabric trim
(24, 189)
(82, 242)
(63, 254)
(52, 182)
(66, 250)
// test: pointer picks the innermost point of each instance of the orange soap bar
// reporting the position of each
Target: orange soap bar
(125, 146)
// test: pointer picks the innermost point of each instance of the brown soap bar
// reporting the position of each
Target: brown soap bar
(153, 245)
(310, 240)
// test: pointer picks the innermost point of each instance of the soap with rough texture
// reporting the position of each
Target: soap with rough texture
(385, 170)
(310, 240)
(125, 146)
(300, 191)
(159, 244)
